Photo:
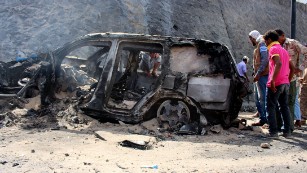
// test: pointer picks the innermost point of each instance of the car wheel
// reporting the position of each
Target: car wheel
(173, 112)
(226, 120)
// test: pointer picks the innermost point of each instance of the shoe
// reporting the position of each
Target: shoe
(249, 92)
(287, 135)
(273, 136)
(265, 126)
(256, 115)
(258, 124)
(298, 123)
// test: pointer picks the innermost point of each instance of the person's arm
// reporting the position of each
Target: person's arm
(302, 50)
(264, 60)
(148, 73)
(144, 63)
(155, 67)
(276, 70)
(245, 72)
(255, 65)
(304, 78)
(246, 77)
(292, 70)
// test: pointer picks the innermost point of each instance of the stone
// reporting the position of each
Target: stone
(20, 112)
(75, 119)
(203, 132)
(3, 162)
(265, 145)
(241, 136)
(15, 164)
(216, 128)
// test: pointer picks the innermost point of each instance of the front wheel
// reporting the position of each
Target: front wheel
(233, 112)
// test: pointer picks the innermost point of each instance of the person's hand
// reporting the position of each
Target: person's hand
(256, 78)
(297, 71)
(148, 74)
(273, 88)
(154, 74)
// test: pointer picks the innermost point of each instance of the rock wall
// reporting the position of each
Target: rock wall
(35, 26)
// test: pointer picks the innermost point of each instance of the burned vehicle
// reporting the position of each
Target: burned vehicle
(195, 80)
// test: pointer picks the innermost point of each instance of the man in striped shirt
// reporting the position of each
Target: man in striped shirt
(295, 49)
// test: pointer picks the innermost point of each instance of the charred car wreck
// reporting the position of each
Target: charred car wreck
(196, 80)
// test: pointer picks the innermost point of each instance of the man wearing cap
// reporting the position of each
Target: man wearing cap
(261, 71)
(242, 68)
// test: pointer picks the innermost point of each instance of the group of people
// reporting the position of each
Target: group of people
(276, 63)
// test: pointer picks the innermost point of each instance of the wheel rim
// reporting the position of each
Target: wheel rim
(173, 112)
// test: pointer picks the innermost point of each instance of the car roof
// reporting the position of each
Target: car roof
(144, 37)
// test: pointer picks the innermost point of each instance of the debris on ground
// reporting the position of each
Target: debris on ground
(15, 164)
(241, 136)
(188, 129)
(203, 131)
(99, 137)
(141, 145)
(141, 142)
(151, 167)
(3, 162)
(265, 145)
(216, 128)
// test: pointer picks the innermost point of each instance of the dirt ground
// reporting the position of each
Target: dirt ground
(62, 146)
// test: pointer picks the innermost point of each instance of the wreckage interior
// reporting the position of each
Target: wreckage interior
(81, 68)
(131, 83)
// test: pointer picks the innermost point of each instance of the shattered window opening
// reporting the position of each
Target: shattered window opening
(81, 69)
(190, 60)
(132, 80)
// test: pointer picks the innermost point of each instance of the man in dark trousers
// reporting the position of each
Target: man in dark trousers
(281, 71)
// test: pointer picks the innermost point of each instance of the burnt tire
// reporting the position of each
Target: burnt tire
(233, 112)
(173, 112)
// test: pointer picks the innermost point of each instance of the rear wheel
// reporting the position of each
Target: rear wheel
(226, 121)
(173, 112)
(233, 112)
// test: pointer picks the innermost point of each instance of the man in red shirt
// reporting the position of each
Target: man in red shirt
(281, 71)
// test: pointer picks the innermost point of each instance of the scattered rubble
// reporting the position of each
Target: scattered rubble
(141, 145)
(15, 164)
(99, 137)
(3, 162)
(121, 167)
(216, 128)
(189, 129)
(265, 145)
(151, 167)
